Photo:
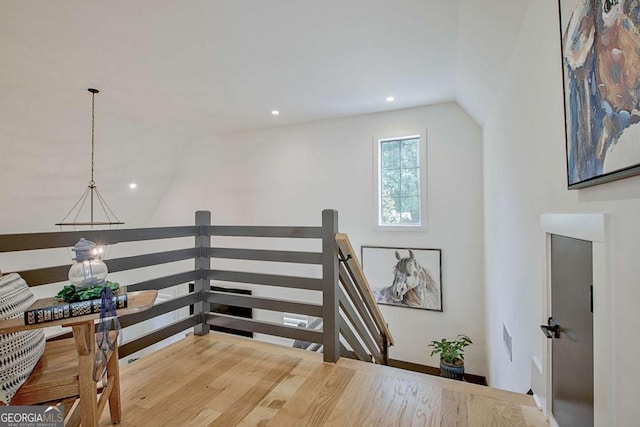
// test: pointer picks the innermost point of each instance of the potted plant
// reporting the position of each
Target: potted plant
(451, 356)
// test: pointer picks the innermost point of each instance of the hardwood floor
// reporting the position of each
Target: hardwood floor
(223, 380)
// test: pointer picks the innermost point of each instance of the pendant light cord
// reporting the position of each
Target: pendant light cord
(93, 118)
(92, 190)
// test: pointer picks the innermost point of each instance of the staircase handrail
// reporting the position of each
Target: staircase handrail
(350, 259)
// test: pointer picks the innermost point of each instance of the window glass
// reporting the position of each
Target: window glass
(399, 189)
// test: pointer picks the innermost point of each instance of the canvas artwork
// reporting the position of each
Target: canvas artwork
(404, 277)
(601, 63)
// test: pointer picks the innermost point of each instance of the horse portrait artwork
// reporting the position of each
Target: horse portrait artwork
(410, 283)
(601, 63)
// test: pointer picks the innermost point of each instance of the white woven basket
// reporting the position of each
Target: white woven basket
(19, 351)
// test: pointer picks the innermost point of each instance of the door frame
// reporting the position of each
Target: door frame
(595, 228)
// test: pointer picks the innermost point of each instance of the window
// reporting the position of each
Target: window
(400, 168)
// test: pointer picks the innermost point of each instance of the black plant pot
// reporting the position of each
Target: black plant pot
(455, 372)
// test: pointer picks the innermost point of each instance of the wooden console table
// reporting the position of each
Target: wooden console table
(85, 346)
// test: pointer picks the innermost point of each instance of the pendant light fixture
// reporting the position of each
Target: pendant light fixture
(91, 192)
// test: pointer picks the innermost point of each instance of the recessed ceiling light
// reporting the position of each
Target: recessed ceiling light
(390, 99)
(275, 112)
(133, 185)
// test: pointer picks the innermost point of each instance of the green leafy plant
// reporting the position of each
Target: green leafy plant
(71, 294)
(450, 351)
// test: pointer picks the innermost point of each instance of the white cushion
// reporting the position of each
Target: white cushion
(19, 351)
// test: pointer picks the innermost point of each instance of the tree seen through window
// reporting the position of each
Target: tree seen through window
(400, 181)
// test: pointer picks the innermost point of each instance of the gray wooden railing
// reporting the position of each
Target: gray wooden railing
(30, 246)
(364, 327)
(346, 308)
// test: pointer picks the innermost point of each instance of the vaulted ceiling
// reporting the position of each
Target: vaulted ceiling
(170, 71)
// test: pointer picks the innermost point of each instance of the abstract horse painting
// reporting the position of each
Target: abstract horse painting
(601, 60)
(408, 282)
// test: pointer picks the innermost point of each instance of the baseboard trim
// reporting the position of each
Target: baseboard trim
(430, 370)
(537, 400)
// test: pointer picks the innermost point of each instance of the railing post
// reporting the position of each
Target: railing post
(202, 264)
(385, 350)
(330, 307)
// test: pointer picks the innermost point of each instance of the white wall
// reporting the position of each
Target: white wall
(524, 176)
(286, 176)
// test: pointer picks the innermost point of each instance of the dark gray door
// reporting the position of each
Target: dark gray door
(572, 351)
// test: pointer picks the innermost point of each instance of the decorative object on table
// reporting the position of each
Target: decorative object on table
(108, 332)
(19, 351)
(88, 269)
(88, 292)
(91, 192)
(404, 277)
(601, 66)
(72, 294)
(451, 356)
(50, 309)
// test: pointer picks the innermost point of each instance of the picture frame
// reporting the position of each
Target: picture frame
(601, 77)
(404, 277)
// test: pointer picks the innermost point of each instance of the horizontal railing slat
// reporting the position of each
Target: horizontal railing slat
(157, 335)
(44, 276)
(359, 327)
(272, 304)
(148, 260)
(265, 279)
(165, 282)
(59, 239)
(267, 255)
(60, 273)
(160, 309)
(266, 231)
(252, 325)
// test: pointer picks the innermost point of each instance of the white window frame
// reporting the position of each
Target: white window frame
(377, 191)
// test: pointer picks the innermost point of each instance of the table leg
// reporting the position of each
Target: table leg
(84, 336)
(113, 375)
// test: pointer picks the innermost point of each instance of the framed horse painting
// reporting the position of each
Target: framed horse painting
(404, 277)
(601, 70)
